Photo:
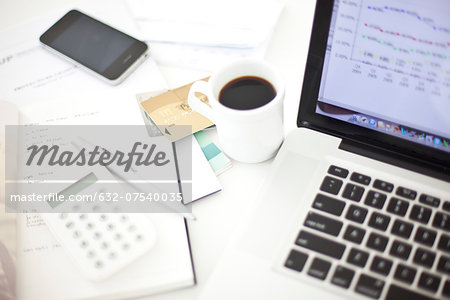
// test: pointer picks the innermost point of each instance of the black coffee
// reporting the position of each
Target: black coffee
(247, 92)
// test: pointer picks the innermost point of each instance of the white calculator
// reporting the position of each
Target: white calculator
(101, 243)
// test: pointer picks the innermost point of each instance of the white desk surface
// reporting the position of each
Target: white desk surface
(218, 214)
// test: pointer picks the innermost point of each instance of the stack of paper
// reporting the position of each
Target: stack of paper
(204, 33)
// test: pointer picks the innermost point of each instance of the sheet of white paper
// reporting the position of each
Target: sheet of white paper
(233, 23)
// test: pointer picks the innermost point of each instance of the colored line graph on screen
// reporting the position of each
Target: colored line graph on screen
(401, 43)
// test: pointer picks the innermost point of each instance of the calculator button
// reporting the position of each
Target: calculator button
(383, 185)
(338, 171)
(360, 178)
(331, 185)
(296, 260)
(353, 192)
(70, 225)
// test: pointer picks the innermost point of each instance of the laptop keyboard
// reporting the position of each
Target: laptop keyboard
(375, 238)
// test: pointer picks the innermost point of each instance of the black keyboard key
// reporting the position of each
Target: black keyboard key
(360, 178)
(379, 221)
(444, 264)
(338, 171)
(444, 243)
(446, 206)
(296, 260)
(319, 268)
(357, 257)
(402, 229)
(407, 193)
(342, 277)
(442, 221)
(320, 244)
(446, 289)
(356, 214)
(353, 192)
(377, 242)
(369, 286)
(354, 234)
(383, 185)
(429, 282)
(429, 200)
(381, 265)
(396, 293)
(405, 273)
(424, 257)
(375, 199)
(400, 250)
(323, 224)
(425, 236)
(331, 185)
(328, 204)
(397, 206)
(420, 213)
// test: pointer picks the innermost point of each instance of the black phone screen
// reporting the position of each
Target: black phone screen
(95, 45)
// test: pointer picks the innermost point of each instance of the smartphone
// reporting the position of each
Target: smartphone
(104, 51)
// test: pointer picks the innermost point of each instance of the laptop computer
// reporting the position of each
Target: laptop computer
(357, 202)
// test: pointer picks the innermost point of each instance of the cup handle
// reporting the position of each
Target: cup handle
(196, 104)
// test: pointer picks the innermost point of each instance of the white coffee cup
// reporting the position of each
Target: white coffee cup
(251, 135)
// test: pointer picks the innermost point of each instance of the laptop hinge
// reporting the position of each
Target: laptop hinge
(396, 159)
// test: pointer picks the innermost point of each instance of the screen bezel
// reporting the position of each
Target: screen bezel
(120, 64)
(307, 116)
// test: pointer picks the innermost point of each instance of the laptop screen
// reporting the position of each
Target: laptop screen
(387, 68)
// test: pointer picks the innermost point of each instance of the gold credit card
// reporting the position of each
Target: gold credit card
(170, 111)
